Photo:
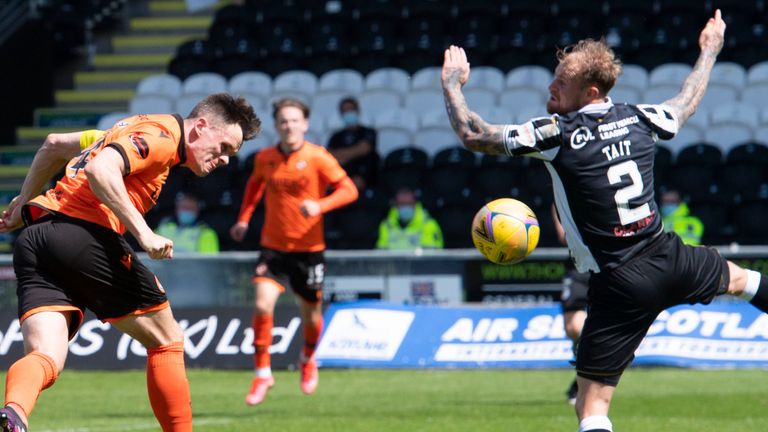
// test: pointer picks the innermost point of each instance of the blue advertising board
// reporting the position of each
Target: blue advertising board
(381, 335)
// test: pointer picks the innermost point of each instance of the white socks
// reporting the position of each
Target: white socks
(264, 372)
(595, 423)
(753, 283)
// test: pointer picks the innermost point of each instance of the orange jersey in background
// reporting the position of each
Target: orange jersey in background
(288, 180)
(150, 146)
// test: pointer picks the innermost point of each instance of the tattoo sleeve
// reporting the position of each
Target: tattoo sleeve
(475, 133)
(686, 102)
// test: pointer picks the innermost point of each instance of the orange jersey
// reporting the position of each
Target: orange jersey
(288, 180)
(150, 146)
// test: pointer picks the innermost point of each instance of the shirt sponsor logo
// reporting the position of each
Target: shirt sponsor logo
(580, 137)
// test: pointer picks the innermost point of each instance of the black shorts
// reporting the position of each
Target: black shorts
(573, 297)
(624, 302)
(303, 272)
(68, 264)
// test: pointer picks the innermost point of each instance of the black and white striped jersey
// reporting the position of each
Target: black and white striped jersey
(601, 162)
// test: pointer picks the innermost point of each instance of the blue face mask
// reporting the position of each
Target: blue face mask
(405, 213)
(350, 118)
(668, 209)
(186, 217)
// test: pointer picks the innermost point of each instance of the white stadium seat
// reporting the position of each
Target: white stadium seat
(296, 81)
(494, 115)
(537, 77)
(108, 120)
(436, 118)
(251, 83)
(373, 102)
(758, 73)
(761, 135)
(486, 77)
(162, 84)
(700, 119)
(479, 97)
(427, 78)
(735, 114)
(718, 95)
(624, 94)
(689, 134)
(389, 79)
(669, 74)
(516, 99)
(151, 104)
(434, 139)
(726, 136)
(423, 100)
(346, 81)
(394, 129)
(728, 73)
(184, 104)
(657, 94)
(326, 103)
(397, 118)
(265, 139)
(204, 83)
(289, 94)
(633, 76)
(755, 94)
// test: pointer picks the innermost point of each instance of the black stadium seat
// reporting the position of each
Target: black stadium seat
(695, 167)
(744, 168)
(403, 167)
(451, 171)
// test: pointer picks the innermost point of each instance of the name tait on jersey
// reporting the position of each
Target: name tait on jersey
(615, 150)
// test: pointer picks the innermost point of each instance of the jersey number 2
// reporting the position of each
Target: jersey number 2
(628, 215)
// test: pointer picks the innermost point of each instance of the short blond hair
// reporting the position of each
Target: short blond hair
(595, 63)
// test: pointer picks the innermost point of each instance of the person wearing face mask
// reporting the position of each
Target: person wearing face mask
(354, 146)
(677, 218)
(409, 226)
(188, 233)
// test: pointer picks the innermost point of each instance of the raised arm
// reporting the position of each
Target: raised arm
(711, 42)
(475, 133)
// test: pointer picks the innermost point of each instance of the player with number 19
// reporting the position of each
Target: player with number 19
(600, 156)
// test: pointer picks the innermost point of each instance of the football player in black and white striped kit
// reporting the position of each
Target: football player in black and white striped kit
(600, 155)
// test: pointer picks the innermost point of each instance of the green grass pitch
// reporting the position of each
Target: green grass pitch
(404, 401)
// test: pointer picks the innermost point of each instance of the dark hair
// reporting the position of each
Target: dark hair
(230, 110)
(349, 100)
(594, 62)
(289, 102)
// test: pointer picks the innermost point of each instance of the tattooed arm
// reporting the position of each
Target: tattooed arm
(475, 133)
(711, 42)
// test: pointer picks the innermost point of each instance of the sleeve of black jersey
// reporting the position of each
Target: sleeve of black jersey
(539, 137)
(661, 119)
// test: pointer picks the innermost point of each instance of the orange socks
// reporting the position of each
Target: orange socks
(27, 377)
(311, 336)
(168, 387)
(262, 339)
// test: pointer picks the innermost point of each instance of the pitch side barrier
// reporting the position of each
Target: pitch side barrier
(445, 309)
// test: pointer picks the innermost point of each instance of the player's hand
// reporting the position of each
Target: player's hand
(455, 67)
(713, 35)
(10, 220)
(156, 246)
(309, 208)
(238, 230)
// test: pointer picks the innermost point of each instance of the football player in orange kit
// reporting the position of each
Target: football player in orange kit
(72, 255)
(293, 176)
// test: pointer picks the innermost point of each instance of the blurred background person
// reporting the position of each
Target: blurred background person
(186, 230)
(354, 146)
(408, 225)
(677, 217)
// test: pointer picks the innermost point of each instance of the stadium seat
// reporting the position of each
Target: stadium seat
(695, 167)
(434, 139)
(718, 95)
(347, 81)
(161, 84)
(656, 94)
(265, 139)
(755, 94)
(758, 73)
(192, 57)
(669, 74)
(184, 104)
(744, 168)
(486, 77)
(251, 82)
(420, 100)
(108, 120)
(735, 114)
(761, 135)
(296, 81)
(690, 134)
(633, 75)
(452, 169)
(356, 226)
(480, 97)
(374, 102)
(455, 220)
(726, 136)
(623, 94)
(497, 175)
(427, 78)
(326, 103)
(146, 104)
(748, 221)
(403, 167)
(662, 164)
(516, 99)
(395, 129)
(535, 77)
(434, 118)
(204, 83)
(700, 119)
(236, 55)
(494, 115)
(389, 79)
(729, 74)
(712, 205)
(376, 45)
